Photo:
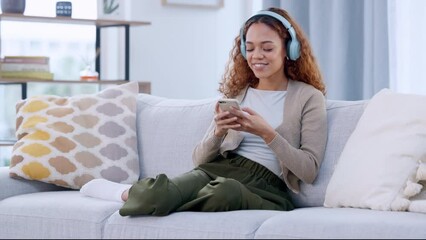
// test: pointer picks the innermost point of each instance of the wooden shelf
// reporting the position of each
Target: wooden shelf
(99, 23)
(144, 87)
(18, 80)
(7, 143)
(70, 20)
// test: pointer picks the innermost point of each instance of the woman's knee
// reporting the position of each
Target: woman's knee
(222, 193)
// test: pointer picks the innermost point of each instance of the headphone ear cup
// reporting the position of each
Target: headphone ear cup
(293, 50)
(243, 49)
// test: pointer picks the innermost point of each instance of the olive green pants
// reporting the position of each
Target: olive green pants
(226, 184)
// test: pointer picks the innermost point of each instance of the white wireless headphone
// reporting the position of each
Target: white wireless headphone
(293, 45)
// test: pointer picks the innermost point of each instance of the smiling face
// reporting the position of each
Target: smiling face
(265, 53)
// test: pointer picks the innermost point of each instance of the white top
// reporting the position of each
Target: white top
(269, 105)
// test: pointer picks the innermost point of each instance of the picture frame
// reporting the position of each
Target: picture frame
(195, 3)
(113, 9)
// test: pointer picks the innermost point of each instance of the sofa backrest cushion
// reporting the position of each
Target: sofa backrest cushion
(168, 130)
(342, 117)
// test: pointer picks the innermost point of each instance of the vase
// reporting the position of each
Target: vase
(13, 6)
(88, 74)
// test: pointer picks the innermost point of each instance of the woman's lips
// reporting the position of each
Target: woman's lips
(259, 66)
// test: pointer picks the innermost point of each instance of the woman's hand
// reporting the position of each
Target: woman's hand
(251, 122)
(224, 121)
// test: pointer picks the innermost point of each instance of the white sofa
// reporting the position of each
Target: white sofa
(168, 129)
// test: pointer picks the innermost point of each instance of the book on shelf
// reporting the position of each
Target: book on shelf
(31, 67)
(27, 75)
(26, 67)
(26, 59)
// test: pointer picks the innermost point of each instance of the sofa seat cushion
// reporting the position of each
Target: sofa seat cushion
(189, 225)
(64, 214)
(338, 223)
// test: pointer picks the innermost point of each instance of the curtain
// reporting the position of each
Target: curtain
(350, 40)
(408, 45)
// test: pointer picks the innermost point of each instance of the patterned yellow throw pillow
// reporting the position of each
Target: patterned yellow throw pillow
(68, 141)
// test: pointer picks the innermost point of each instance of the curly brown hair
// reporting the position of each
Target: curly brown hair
(305, 69)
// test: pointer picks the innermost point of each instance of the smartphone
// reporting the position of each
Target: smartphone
(225, 104)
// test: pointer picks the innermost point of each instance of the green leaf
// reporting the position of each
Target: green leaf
(110, 6)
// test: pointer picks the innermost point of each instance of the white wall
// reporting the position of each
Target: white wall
(184, 51)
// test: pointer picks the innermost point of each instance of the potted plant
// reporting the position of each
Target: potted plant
(114, 9)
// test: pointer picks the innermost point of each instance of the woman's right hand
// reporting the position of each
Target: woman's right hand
(224, 121)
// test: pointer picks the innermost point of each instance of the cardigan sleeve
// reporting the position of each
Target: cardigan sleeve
(208, 148)
(303, 162)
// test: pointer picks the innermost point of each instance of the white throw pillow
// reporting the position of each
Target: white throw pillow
(384, 158)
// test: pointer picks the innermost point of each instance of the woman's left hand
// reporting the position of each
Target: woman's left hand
(253, 123)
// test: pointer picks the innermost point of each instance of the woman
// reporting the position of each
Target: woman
(249, 157)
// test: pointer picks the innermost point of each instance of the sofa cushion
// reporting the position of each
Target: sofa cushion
(341, 223)
(57, 215)
(189, 225)
(168, 130)
(384, 157)
(342, 117)
(69, 141)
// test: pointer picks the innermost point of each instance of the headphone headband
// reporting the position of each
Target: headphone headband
(293, 46)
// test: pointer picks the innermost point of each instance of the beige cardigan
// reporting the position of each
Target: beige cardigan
(299, 144)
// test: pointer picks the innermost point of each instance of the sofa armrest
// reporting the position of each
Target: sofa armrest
(11, 187)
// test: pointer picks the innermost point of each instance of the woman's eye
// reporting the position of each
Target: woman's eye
(267, 50)
(249, 50)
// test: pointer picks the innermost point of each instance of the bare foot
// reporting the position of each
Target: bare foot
(125, 195)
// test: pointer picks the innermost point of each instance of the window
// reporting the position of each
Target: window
(407, 45)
